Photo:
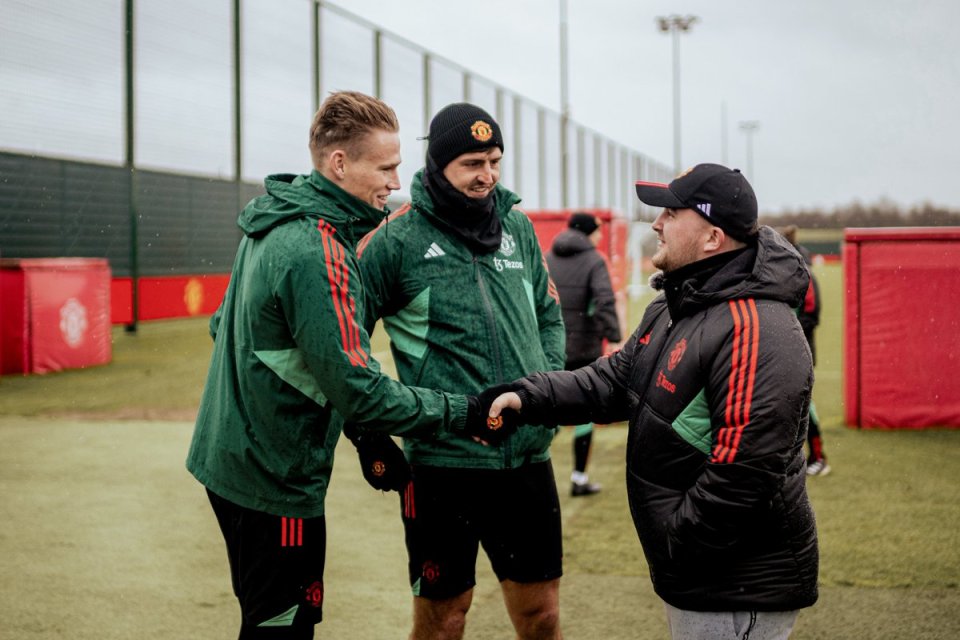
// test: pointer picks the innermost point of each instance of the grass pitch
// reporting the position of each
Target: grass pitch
(104, 535)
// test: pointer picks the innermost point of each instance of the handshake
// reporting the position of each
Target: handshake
(492, 430)
(385, 467)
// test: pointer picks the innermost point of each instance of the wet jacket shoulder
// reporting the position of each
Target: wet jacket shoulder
(460, 321)
(291, 358)
(586, 295)
(716, 385)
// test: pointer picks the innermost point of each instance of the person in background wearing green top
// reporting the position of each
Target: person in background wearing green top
(461, 285)
(291, 360)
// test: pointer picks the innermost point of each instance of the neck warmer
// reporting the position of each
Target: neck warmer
(473, 220)
(678, 284)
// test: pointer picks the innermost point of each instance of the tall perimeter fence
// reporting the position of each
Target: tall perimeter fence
(134, 130)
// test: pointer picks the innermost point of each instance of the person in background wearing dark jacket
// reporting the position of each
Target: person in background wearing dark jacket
(809, 315)
(291, 361)
(459, 280)
(589, 316)
(716, 385)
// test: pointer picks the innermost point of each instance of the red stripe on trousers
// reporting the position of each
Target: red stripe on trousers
(409, 506)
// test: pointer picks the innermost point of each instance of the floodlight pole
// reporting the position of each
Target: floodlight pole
(749, 127)
(675, 25)
(564, 110)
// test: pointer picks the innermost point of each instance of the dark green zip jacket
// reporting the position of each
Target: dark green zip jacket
(291, 358)
(462, 322)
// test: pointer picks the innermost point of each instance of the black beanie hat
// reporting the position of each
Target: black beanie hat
(583, 222)
(461, 128)
(721, 196)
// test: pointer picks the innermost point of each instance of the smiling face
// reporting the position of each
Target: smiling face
(370, 171)
(475, 174)
(682, 238)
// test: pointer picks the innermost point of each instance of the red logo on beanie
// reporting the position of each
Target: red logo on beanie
(379, 468)
(481, 131)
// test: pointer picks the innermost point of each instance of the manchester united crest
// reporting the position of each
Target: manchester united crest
(677, 353)
(315, 594)
(507, 244)
(481, 131)
(431, 571)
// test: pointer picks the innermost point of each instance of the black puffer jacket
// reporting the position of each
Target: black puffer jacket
(716, 385)
(586, 295)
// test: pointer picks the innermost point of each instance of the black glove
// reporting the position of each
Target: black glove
(382, 462)
(480, 425)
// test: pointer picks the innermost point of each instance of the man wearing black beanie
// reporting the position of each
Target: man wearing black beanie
(458, 278)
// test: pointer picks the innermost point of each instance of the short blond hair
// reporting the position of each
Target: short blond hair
(343, 121)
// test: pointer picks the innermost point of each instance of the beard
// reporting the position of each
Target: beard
(677, 255)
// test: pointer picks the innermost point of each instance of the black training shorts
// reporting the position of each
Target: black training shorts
(276, 564)
(513, 513)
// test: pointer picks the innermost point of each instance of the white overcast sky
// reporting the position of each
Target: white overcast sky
(856, 99)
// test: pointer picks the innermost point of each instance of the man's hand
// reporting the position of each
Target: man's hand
(505, 402)
(382, 462)
(486, 426)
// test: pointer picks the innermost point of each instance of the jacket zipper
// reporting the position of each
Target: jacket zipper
(492, 326)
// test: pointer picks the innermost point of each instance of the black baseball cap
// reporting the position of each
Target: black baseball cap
(722, 196)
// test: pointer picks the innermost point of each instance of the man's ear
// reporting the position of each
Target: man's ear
(714, 240)
(336, 163)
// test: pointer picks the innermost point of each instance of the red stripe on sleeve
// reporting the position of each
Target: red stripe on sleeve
(740, 385)
(754, 330)
(362, 245)
(551, 286)
(338, 277)
(810, 299)
(723, 437)
(283, 531)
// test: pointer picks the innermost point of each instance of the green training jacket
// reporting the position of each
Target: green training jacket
(291, 358)
(463, 322)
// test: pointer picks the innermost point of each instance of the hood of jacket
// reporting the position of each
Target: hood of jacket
(292, 196)
(421, 201)
(772, 270)
(571, 242)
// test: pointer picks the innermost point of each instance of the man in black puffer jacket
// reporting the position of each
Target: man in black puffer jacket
(589, 310)
(716, 385)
